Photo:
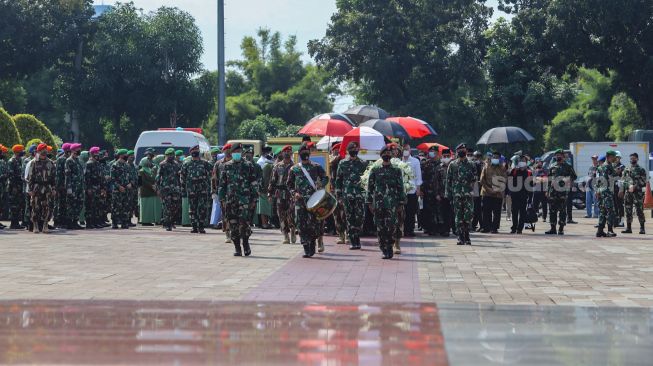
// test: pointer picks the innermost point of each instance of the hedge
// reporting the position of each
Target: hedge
(9, 135)
(30, 128)
(32, 142)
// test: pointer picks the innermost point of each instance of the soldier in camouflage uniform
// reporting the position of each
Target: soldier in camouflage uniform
(445, 214)
(278, 191)
(561, 176)
(121, 184)
(634, 187)
(60, 178)
(339, 218)
(196, 183)
(461, 176)
(301, 188)
(4, 175)
(106, 185)
(385, 195)
(168, 185)
(74, 178)
(429, 184)
(604, 186)
(350, 193)
(238, 189)
(94, 184)
(27, 214)
(15, 187)
(215, 178)
(133, 192)
(41, 188)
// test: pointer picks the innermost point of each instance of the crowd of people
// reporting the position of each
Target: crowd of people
(459, 192)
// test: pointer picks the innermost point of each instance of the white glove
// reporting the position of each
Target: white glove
(69, 191)
(214, 196)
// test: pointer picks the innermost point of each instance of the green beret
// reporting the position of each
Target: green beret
(121, 152)
(215, 150)
(179, 153)
(170, 151)
(610, 153)
(559, 151)
(130, 152)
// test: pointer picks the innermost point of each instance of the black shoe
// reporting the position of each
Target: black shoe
(642, 230)
(307, 251)
(194, 231)
(238, 252)
(571, 222)
(169, 228)
(627, 231)
(16, 226)
(600, 234)
(553, 231)
(610, 233)
(561, 230)
(246, 248)
(114, 226)
(512, 231)
(494, 232)
(519, 231)
(124, 226)
(312, 248)
(202, 231)
(484, 231)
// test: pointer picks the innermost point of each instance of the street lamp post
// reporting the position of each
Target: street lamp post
(222, 114)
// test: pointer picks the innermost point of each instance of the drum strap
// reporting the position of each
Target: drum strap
(308, 176)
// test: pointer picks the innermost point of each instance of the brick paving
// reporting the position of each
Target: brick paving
(151, 264)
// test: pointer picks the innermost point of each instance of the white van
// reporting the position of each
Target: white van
(160, 141)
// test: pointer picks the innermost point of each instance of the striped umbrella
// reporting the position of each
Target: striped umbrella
(338, 116)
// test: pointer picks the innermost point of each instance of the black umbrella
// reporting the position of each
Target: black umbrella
(387, 128)
(362, 113)
(504, 135)
(338, 116)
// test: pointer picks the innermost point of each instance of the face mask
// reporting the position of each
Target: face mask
(406, 153)
(521, 164)
(386, 158)
(285, 155)
(495, 161)
(560, 159)
(236, 156)
(304, 155)
(431, 154)
(195, 154)
(462, 154)
(633, 162)
(170, 158)
(353, 153)
(446, 160)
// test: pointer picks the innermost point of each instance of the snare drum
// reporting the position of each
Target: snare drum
(321, 204)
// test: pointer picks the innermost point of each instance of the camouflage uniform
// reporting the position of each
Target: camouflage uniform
(306, 222)
(133, 192)
(74, 178)
(339, 218)
(120, 201)
(196, 183)
(558, 197)
(27, 214)
(605, 191)
(94, 182)
(60, 182)
(168, 185)
(238, 189)
(444, 215)
(4, 175)
(386, 194)
(429, 190)
(459, 189)
(15, 189)
(634, 176)
(350, 192)
(279, 190)
(218, 167)
(41, 184)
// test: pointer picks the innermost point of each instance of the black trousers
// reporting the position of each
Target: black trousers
(518, 212)
(429, 215)
(539, 199)
(477, 218)
(491, 212)
(411, 212)
(570, 206)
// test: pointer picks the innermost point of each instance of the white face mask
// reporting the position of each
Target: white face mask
(495, 161)
(406, 153)
(431, 154)
(446, 160)
(522, 164)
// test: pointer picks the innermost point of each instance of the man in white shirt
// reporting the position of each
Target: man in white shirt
(411, 197)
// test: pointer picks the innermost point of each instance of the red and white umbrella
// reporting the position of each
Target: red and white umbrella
(326, 127)
(415, 127)
(366, 137)
(338, 116)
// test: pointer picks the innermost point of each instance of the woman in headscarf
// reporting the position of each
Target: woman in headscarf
(149, 203)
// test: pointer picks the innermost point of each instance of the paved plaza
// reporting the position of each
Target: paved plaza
(150, 264)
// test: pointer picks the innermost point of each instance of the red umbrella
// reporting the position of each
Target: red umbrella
(427, 145)
(338, 116)
(326, 127)
(416, 128)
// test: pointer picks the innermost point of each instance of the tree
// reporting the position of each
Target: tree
(9, 135)
(261, 128)
(624, 116)
(31, 128)
(421, 58)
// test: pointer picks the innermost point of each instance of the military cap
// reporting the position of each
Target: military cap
(3, 148)
(559, 151)
(179, 153)
(496, 152)
(196, 147)
(618, 153)
(130, 152)
(75, 146)
(433, 148)
(236, 146)
(336, 147)
(170, 151)
(121, 152)
(304, 146)
(94, 150)
(32, 149)
(41, 147)
(352, 145)
(461, 146)
(226, 147)
(477, 153)
(66, 146)
(610, 153)
(215, 150)
(149, 150)
(602, 158)
(286, 148)
(386, 148)
(446, 151)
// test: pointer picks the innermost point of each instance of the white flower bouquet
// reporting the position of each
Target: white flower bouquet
(407, 173)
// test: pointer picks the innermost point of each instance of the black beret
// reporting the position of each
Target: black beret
(386, 148)
(352, 145)
(236, 146)
(461, 146)
(446, 151)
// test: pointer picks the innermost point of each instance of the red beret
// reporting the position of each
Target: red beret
(286, 148)
(41, 147)
(310, 145)
(3, 148)
(17, 148)
(335, 147)
(226, 147)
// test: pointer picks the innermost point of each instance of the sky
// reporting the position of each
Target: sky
(307, 19)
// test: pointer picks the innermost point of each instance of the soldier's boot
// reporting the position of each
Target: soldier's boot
(320, 245)
(311, 248)
(468, 240)
(341, 239)
(600, 233)
(246, 248)
(201, 229)
(168, 226)
(238, 252)
(307, 251)
(397, 246)
(46, 229)
(15, 225)
(561, 230)
(35, 227)
(194, 231)
(353, 244)
(641, 229)
(228, 237)
(610, 233)
(461, 237)
(293, 236)
(114, 225)
(286, 239)
(553, 230)
(629, 229)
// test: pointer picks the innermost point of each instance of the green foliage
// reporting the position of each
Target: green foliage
(31, 128)
(262, 127)
(9, 135)
(289, 131)
(624, 116)
(13, 96)
(34, 142)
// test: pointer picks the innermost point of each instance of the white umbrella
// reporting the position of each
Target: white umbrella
(367, 138)
(326, 142)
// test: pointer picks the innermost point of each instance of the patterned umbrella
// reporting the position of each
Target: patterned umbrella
(416, 127)
(366, 137)
(504, 135)
(338, 116)
(326, 127)
(362, 113)
(387, 128)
